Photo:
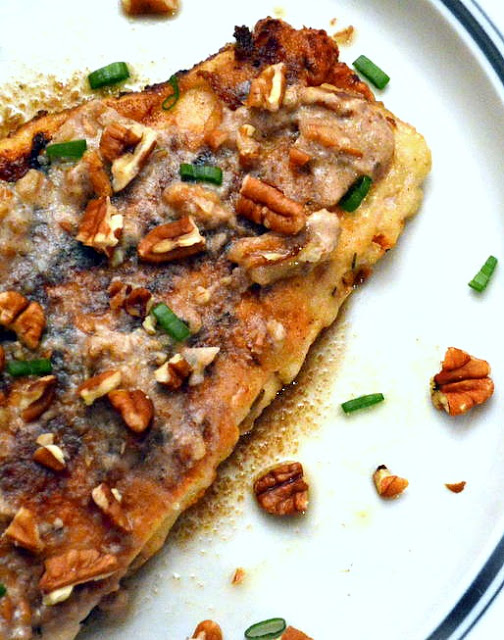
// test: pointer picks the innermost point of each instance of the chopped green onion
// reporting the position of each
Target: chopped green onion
(111, 74)
(372, 72)
(356, 194)
(201, 172)
(482, 278)
(19, 368)
(362, 402)
(3, 590)
(170, 322)
(267, 629)
(72, 149)
(172, 99)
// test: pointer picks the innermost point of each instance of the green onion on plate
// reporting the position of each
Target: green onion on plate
(482, 278)
(111, 74)
(372, 72)
(362, 402)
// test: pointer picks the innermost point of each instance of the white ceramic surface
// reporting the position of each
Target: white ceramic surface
(355, 567)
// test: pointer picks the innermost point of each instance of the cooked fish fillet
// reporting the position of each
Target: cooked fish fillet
(101, 455)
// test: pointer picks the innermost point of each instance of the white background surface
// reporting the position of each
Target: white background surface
(379, 570)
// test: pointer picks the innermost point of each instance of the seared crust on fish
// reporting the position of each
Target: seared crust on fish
(100, 455)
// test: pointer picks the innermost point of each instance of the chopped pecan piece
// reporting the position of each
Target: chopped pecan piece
(101, 226)
(35, 397)
(238, 576)
(98, 176)
(117, 139)
(23, 531)
(462, 383)
(128, 165)
(171, 241)
(105, 498)
(456, 487)
(271, 257)
(135, 407)
(173, 372)
(248, 148)
(99, 386)
(203, 205)
(135, 301)
(76, 567)
(50, 456)
(139, 7)
(198, 359)
(267, 91)
(282, 490)
(11, 305)
(388, 485)
(29, 325)
(207, 630)
(298, 158)
(267, 205)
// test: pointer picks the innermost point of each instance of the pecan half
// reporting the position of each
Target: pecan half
(267, 205)
(34, 398)
(135, 407)
(25, 318)
(282, 490)
(462, 383)
(23, 531)
(101, 226)
(267, 91)
(171, 241)
(207, 630)
(105, 499)
(203, 205)
(387, 484)
(127, 166)
(76, 567)
(50, 456)
(99, 386)
(140, 7)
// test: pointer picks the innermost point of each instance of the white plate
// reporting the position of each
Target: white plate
(355, 567)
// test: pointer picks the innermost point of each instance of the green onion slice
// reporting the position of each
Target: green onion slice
(172, 99)
(362, 402)
(372, 72)
(170, 322)
(482, 278)
(72, 149)
(356, 194)
(19, 368)
(111, 74)
(3, 590)
(201, 172)
(266, 629)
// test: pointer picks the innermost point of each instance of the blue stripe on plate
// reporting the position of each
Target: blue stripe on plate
(490, 580)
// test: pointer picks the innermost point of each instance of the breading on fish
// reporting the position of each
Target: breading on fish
(100, 455)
